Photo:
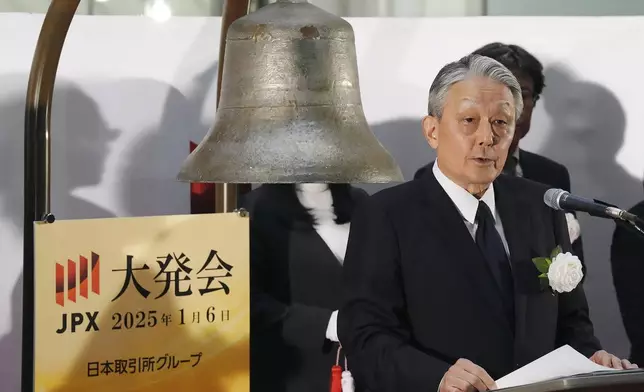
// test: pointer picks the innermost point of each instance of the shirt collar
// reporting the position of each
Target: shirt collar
(516, 153)
(466, 204)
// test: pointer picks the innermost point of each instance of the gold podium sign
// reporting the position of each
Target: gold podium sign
(143, 304)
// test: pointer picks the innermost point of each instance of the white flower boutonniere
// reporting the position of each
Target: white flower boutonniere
(574, 229)
(561, 271)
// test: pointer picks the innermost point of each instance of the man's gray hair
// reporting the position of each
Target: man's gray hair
(468, 66)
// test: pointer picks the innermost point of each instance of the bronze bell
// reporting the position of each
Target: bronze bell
(290, 108)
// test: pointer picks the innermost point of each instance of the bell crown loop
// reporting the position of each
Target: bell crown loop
(290, 20)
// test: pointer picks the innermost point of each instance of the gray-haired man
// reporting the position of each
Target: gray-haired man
(441, 291)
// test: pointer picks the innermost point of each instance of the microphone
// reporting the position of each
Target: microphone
(559, 199)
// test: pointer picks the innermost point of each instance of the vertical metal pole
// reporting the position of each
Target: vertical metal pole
(226, 194)
(37, 159)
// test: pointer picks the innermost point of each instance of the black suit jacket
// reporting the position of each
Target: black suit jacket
(538, 168)
(546, 171)
(419, 295)
(295, 284)
(627, 260)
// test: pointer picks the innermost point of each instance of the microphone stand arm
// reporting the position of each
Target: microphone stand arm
(620, 215)
(636, 223)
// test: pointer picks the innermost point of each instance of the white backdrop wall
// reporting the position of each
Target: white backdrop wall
(132, 93)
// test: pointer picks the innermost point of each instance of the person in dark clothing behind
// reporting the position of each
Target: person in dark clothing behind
(529, 72)
(627, 262)
(298, 237)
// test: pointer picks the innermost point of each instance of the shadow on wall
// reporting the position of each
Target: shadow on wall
(588, 126)
(149, 186)
(403, 138)
(80, 144)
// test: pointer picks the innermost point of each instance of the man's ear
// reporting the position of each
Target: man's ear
(430, 130)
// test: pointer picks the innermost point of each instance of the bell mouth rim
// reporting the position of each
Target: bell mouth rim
(292, 182)
(390, 175)
(376, 167)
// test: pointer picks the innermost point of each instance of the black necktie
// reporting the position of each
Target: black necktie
(510, 166)
(489, 241)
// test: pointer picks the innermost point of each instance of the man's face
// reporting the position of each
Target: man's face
(527, 91)
(473, 135)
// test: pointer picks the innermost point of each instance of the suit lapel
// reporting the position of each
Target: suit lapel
(518, 229)
(447, 223)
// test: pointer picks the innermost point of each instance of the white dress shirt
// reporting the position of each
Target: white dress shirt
(467, 204)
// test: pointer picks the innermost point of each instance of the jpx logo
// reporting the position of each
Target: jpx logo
(78, 281)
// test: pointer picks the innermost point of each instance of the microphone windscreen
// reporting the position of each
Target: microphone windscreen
(552, 196)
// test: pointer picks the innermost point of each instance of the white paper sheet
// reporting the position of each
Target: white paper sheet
(562, 362)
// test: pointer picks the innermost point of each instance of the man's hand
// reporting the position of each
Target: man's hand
(603, 358)
(465, 376)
